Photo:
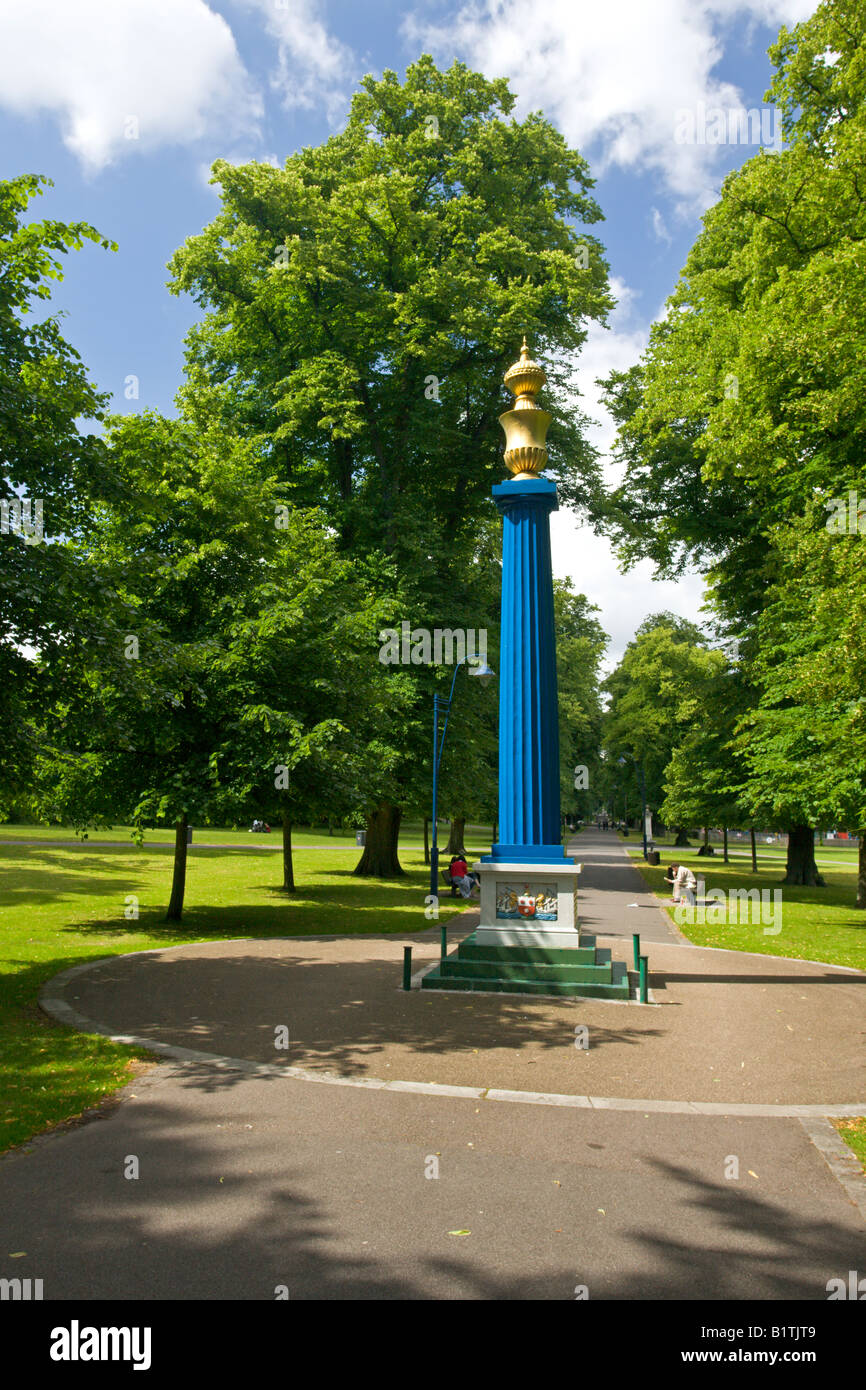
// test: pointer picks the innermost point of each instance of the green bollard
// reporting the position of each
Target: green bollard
(407, 967)
(443, 942)
(644, 967)
(636, 943)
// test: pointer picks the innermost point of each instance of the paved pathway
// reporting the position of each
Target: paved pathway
(613, 897)
(251, 1176)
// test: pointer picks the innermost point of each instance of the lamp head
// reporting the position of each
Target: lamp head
(483, 672)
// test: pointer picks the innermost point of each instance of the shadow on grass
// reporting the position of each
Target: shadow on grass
(19, 884)
(348, 908)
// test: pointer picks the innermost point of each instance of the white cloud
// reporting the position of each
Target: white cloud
(314, 68)
(612, 76)
(171, 66)
(659, 226)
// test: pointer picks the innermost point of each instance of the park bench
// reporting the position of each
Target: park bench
(446, 874)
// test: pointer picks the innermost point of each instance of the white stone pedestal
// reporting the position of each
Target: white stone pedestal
(553, 919)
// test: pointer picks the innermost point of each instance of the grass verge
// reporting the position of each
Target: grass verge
(854, 1133)
(819, 924)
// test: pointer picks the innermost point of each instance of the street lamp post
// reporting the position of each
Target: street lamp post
(642, 783)
(482, 672)
(643, 807)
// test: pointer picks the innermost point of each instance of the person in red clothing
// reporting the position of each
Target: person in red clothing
(459, 871)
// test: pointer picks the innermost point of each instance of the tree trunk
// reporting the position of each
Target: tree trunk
(754, 849)
(682, 839)
(725, 834)
(455, 839)
(861, 871)
(288, 863)
(801, 867)
(495, 832)
(706, 836)
(330, 827)
(379, 859)
(178, 881)
(426, 839)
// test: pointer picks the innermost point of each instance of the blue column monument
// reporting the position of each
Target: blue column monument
(528, 938)
(529, 815)
(528, 887)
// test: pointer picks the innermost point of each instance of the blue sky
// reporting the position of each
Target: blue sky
(125, 104)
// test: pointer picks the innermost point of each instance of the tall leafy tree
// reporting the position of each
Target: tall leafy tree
(248, 656)
(654, 704)
(705, 778)
(580, 647)
(363, 303)
(804, 742)
(51, 471)
(308, 701)
(748, 405)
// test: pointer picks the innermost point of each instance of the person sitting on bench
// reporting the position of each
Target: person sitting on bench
(684, 883)
(460, 876)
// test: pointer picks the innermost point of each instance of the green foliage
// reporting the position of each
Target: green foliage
(363, 303)
(805, 740)
(46, 598)
(705, 778)
(746, 421)
(580, 647)
(341, 284)
(656, 696)
(249, 656)
(749, 403)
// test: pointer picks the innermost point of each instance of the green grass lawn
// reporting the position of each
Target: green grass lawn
(816, 923)
(61, 906)
(411, 833)
(854, 1134)
(833, 852)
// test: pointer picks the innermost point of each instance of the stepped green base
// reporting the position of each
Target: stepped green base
(581, 970)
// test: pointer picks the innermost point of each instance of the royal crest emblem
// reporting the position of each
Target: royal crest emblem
(526, 905)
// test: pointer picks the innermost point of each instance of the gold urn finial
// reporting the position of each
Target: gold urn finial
(525, 425)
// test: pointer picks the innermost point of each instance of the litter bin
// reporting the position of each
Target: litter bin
(189, 834)
(653, 856)
(360, 837)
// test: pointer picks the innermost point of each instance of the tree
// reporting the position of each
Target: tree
(364, 302)
(307, 694)
(705, 778)
(580, 647)
(655, 690)
(748, 407)
(248, 645)
(51, 474)
(805, 740)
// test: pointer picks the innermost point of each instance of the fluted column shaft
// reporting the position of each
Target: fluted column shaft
(529, 800)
